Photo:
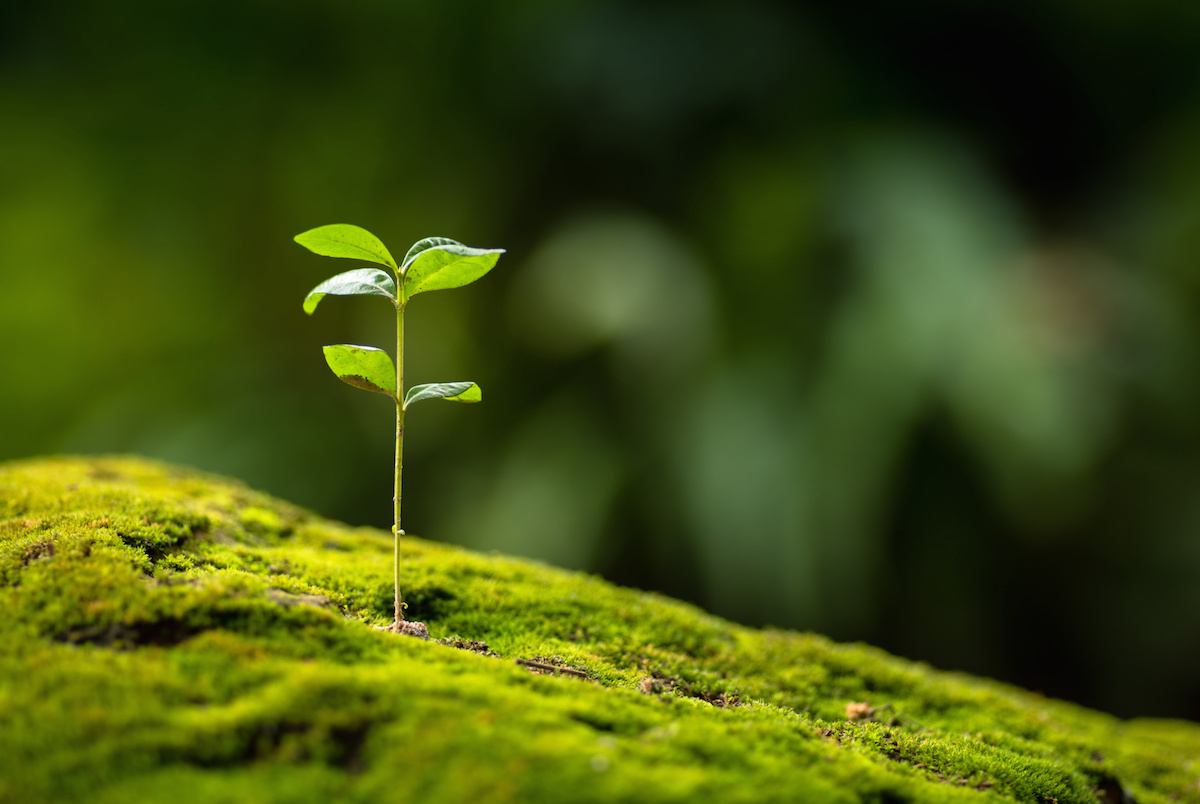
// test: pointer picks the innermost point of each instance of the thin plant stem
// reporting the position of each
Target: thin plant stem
(396, 531)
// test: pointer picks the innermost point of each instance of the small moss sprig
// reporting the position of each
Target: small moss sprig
(435, 263)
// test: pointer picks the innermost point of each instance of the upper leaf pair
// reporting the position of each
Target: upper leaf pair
(435, 263)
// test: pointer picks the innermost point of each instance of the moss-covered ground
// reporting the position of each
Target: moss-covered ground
(172, 636)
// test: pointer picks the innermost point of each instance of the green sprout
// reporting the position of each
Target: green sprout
(435, 263)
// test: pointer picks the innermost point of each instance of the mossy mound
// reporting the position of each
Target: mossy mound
(174, 636)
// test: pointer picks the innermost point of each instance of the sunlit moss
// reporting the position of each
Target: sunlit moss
(174, 636)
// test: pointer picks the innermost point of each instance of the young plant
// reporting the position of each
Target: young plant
(435, 263)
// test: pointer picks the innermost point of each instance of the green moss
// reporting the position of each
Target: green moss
(175, 636)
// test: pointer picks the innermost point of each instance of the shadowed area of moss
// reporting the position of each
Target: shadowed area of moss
(174, 636)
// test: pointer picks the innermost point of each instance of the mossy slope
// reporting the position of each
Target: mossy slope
(178, 637)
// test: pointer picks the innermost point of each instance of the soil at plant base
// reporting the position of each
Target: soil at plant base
(407, 628)
(173, 636)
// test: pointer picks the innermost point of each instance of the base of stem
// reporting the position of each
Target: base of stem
(407, 627)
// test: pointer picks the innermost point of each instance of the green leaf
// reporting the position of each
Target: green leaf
(348, 241)
(363, 367)
(442, 264)
(425, 245)
(359, 282)
(451, 391)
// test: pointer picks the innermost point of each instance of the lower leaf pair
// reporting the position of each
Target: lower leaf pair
(371, 369)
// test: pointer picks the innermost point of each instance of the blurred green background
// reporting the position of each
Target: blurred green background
(876, 319)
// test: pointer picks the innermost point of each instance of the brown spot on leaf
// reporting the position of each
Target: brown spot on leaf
(358, 381)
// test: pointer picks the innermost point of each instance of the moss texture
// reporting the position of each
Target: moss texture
(174, 636)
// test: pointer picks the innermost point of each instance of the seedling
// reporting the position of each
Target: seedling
(435, 263)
